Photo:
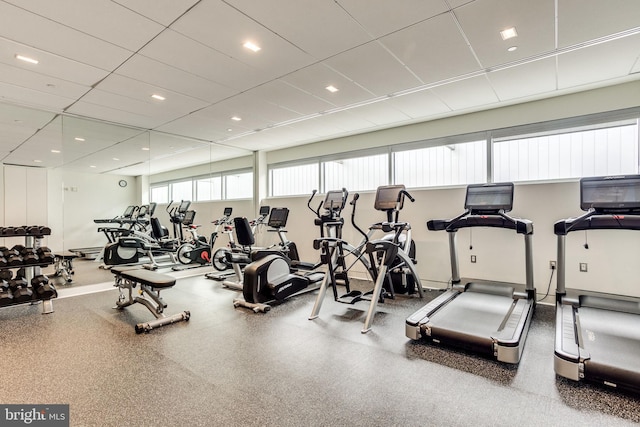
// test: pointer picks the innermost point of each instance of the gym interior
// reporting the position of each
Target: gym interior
(116, 114)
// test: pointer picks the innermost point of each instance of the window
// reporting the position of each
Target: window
(182, 190)
(610, 149)
(160, 194)
(451, 164)
(209, 189)
(239, 186)
(356, 174)
(294, 180)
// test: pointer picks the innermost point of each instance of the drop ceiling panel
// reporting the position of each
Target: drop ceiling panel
(483, 20)
(374, 68)
(598, 63)
(33, 98)
(384, 17)
(174, 79)
(320, 28)
(290, 97)
(189, 55)
(225, 29)
(146, 113)
(162, 11)
(102, 19)
(465, 94)
(50, 65)
(39, 82)
(23, 117)
(175, 104)
(381, 113)
(434, 49)
(250, 106)
(30, 29)
(114, 115)
(315, 78)
(525, 80)
(195, 126)
(420, 104)
(163, 145)
(583, 20)
(220, 115)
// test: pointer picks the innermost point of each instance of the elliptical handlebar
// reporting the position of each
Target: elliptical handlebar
(353, 202)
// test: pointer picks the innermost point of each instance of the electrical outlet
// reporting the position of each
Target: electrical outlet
(583, 267)
(552, 265)
(473, 258)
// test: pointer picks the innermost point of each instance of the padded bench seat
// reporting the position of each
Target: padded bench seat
(148, 278)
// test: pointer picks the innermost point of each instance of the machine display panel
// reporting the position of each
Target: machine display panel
(387, 197)
(334, 200)
(489, 198)
(278, 217)
(610, 194)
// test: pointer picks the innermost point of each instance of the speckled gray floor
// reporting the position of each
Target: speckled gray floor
(230, 366)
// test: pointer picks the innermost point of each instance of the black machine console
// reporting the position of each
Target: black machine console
(489, 198)
(611, 194)
(278, 217)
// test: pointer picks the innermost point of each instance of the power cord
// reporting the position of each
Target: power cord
(553, 270)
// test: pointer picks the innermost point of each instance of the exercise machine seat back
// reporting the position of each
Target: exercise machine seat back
(270, 279)
(158, 231)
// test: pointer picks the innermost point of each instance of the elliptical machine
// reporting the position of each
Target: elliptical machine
(391, 259)
(272, 278)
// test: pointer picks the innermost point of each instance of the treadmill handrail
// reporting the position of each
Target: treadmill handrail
(592, 220)
(468, 219)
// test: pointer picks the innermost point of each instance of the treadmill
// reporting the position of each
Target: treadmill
(598, 334)
(486, 317)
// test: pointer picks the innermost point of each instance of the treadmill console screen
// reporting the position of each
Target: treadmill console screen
(489, 198)
(334, 200)
(387, 197)
(227, 211)
(278, 217)
(264, 211)
(611, 194)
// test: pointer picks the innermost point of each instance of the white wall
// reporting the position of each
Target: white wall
(611, 257)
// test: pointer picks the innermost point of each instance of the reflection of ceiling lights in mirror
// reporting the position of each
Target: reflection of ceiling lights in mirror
(77, 138)
(55, 151)
(252, 46)
(158, 97)
(26, 59)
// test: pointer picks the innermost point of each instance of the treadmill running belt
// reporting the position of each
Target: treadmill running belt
(472, 313)
(613, 341)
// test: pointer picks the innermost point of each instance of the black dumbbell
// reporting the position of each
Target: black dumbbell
(21, 290)
(6, 275)
(29, 256)
(3, 261)
(13, 257)
(6, 296)
(45, 255)
(44, 289)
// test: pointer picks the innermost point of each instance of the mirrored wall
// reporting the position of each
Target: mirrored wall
(66, 172)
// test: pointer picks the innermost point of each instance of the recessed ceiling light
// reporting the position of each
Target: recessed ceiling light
(229, 130)
(77, 138)
(509, 33)
(145, 148)
(236, 118)
(331, 88)
(252, 46)
(92, 166)
(158, 97)
(55, 151)
(27, 59)
(37, 161)
(512, 48)
(116, 159)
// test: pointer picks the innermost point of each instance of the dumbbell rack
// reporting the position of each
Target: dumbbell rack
(31, 240)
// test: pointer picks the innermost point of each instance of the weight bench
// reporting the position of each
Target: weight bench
(63, 264)
(151, 283)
